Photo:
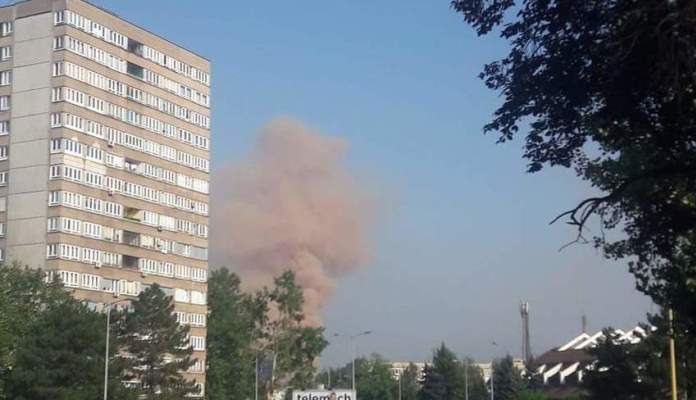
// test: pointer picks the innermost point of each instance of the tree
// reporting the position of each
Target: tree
(157, 347)
(434, 386)
(475, 381)
(409, 381)
(374, 380)
(608, 88)
(233, 328)
(508, 382)
(268, 324)
(61, 357)
(641, 371)
(294, 345)
(445, 378)
(23, 296)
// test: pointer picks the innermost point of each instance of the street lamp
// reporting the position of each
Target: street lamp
(107, 307)
(352, 339)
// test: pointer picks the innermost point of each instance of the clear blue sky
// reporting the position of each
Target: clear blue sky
(466, 236)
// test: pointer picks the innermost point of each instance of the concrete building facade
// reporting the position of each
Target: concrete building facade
(104, 157)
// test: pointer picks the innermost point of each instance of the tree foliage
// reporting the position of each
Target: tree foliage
(448, 378)
(157, 347)
(52, 346)
(233, 328)
(61, 357)
(508, 383)
(608, 88)
(267, 323)
(409, 381)
(641, 371)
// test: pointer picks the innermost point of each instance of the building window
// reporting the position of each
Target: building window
(4, 103)
(6, 28)
(5, 53)
(59, 17)
(4, 128)
(3, 230)
(3, 178)
(5, 78)
(4, 151)
(197, 343)
(58, 42)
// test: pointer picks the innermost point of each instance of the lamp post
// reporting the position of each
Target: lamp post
(354, 348)
(352, 339)
(107, 307)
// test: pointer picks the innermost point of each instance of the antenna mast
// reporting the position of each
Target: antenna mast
(526, 346)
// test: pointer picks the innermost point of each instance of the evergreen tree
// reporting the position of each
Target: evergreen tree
(508, 382)
(157, 347)
(61, 357)
(445, 377)
(434, 387)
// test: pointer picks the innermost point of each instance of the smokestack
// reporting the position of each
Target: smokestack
(292, 204)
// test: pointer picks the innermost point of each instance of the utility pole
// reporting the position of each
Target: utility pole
(672, 354)
(256, 377)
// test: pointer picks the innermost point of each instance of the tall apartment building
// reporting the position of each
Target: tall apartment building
(104, 157)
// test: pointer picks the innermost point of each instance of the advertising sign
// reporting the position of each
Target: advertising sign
(323, 395)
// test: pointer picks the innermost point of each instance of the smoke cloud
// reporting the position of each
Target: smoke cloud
(292, 204)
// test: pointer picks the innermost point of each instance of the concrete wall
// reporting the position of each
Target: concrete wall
(29, 140)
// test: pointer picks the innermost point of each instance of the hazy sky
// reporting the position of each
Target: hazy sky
(464, 236)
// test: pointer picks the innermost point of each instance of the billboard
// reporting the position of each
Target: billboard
(323, 395)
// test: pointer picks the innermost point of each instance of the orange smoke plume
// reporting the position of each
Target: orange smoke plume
(292, 204)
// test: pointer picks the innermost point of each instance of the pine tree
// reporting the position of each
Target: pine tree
(434, 387)
(508, 382)
(157, 347)
(61, 357)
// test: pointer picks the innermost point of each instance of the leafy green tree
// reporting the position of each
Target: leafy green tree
(61, 357)
(157, 347)
(268, 324)
(23, 297)
(233, 328)
(294, 345)
(374, 380)
(607, 88)
(508, 382)
(409, 381)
